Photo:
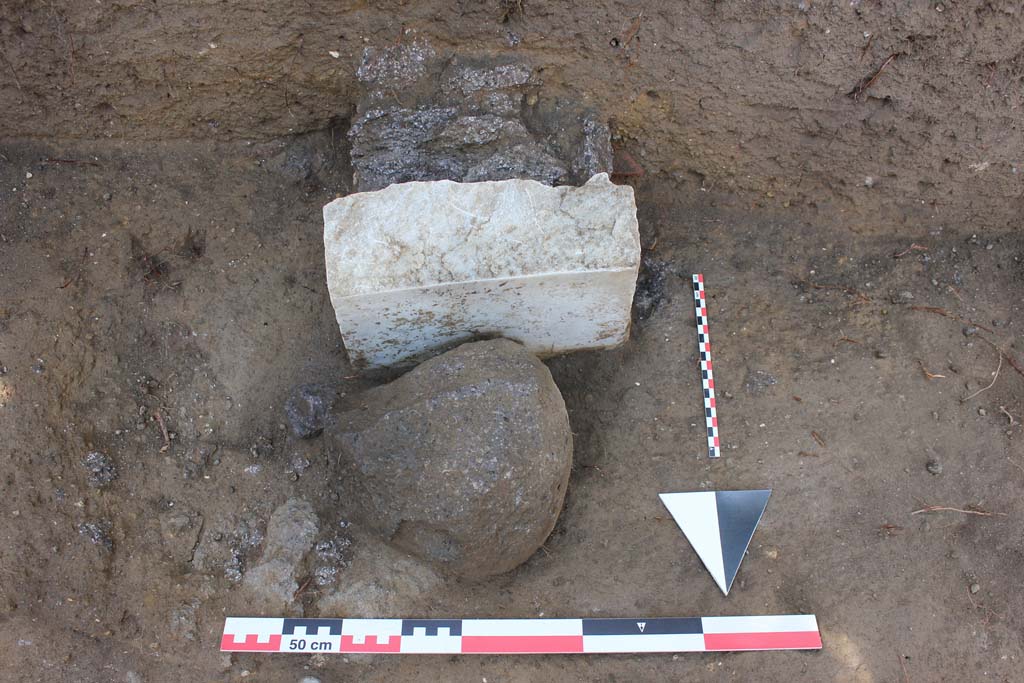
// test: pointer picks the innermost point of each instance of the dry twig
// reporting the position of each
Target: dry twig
(626, 38)
(842, 288)
(1004, 411)
(995, 376)
(946, 314)
(903, 667)
(163, 431)
(929, 375)
(817, 437)
(1009, 359)
(301, 589)
(869, 80)
(940, 508)
(913, 247)
(10, 66)
(69, 161)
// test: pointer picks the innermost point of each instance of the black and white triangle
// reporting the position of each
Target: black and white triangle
(719, 526)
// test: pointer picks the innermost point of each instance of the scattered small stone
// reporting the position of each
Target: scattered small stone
(263, 447)
(183, 621)
(101, 470)
(902, 298)
(758, 381)
(975, 587)
(934, 466)
(982, 412)
(881, 354)
(970, 331)
(179, 531)
(334, 555)
(309, 679)
(307, 409)
(39, 367)
(290, 534)
(241, 542)
(299, 464)
(98, 532)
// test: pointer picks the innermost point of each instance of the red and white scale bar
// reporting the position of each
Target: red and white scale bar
(707, 377)
(521, 636)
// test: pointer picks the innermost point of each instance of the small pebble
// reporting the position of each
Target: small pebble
(975, 588)
(982, 412)
(881, 354)
(970, 331)
(934, 466)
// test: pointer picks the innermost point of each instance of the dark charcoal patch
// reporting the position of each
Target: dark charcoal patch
(650, 287)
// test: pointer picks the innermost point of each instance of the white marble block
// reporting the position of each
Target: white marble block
(418, 267)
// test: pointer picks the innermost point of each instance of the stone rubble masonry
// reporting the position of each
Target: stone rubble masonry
(427, 115)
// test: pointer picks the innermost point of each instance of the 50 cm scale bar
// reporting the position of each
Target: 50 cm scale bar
(521, 636)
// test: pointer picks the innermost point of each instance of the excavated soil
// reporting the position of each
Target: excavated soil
(162, 172)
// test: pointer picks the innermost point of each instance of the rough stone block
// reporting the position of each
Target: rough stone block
(463, 461)
(419, 267)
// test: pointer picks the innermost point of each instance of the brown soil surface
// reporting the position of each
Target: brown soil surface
(161, 261)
